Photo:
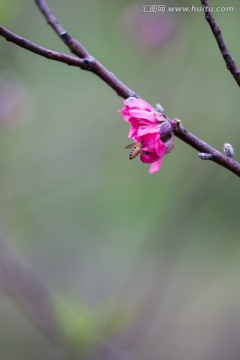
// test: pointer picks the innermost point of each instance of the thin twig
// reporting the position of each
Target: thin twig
(78, 49)
(217, 156)
(229, 60)
(40, 50)
(75, 46)
(92, 65)
(87, 63)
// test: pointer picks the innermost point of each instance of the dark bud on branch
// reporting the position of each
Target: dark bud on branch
(166, 130)
(166, 134)
(205, 156)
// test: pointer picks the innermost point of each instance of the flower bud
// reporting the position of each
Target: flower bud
(159, 108)
(166, 134)
(228, 150)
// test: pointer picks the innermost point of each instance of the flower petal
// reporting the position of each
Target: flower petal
(149, 158)
(147, 130)
(147, 116)
(159, 116)
(138, 104)
(156, 166)
(160, 148)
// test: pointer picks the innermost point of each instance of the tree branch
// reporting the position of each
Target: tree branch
(75, 46)
(229, 60)
(87, 62)
(203, 147)
(40, 50)
(78, 49)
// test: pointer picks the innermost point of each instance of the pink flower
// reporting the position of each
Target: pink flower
(153, 151)
(145, 127)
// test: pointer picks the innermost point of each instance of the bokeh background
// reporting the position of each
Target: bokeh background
(99, 259)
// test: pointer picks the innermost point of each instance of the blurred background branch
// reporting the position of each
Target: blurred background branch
(30, 292)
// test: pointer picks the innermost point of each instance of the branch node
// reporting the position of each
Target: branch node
(88, 63)
(66, 37)
(132, 94)
(178, 126)
(49, 54)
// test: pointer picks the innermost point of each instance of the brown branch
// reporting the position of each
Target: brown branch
(78, 49)
(75, 46)
(215, 155)
(87, 62)
(229, 60)
(40, 50)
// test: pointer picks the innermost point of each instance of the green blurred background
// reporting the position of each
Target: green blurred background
(136, 266)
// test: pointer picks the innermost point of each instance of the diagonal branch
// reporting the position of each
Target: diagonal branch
(40, 50)
(75, 46)
(229, 60)
(215, 155)
(78, 49)
(87, 62)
